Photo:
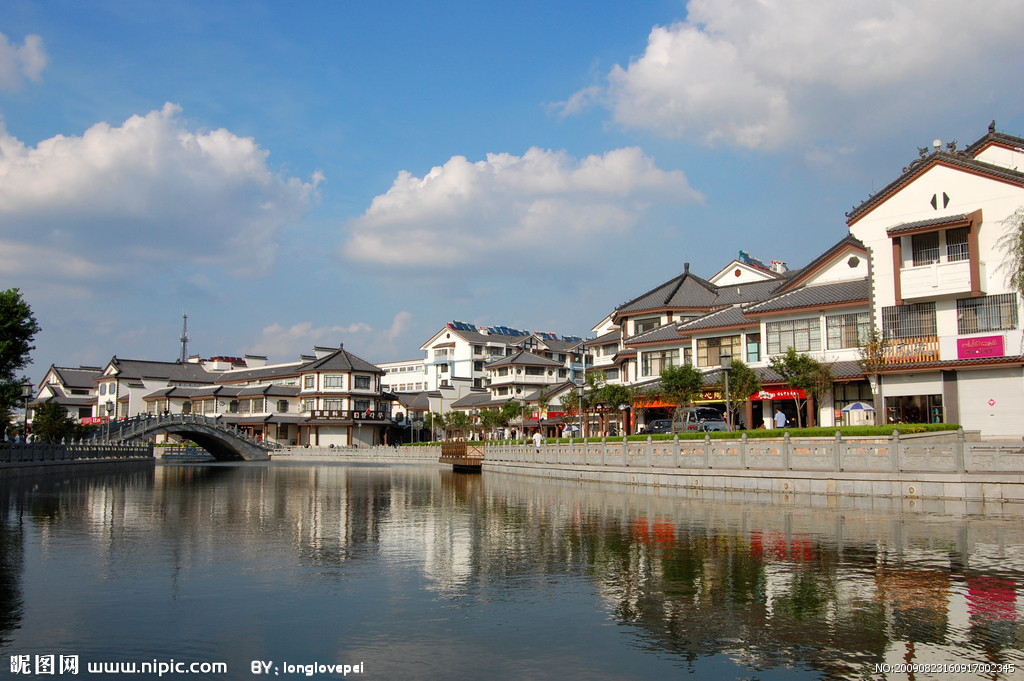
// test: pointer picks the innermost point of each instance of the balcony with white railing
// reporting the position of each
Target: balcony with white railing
(940, 278)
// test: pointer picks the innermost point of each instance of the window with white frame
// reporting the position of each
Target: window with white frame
(652, 363)
(333, 404)
(753, 348)
(362, 382)
(308, 405)
(361, 405)
(309, 382)
(710, 350)
(987, 313)
(334, 381)
(803, 335)
(847, 330)
(909, 321)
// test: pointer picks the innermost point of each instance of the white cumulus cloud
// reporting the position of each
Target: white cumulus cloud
(510, 207)
(765, 74)
(148, 192)
(20, 62)
(285, 343)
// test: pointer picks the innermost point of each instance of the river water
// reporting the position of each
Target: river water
(421, 573)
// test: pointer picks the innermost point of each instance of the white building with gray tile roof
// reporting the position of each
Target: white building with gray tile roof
(951, 322)
(750, 313)
(74, 388)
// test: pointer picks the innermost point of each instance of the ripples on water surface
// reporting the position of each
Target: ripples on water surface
(421, 573)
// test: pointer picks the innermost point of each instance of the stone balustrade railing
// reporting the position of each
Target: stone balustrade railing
(43, 452)
(119, 431)
(932, 453)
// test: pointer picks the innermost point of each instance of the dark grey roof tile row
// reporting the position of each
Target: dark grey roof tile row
(836, 293)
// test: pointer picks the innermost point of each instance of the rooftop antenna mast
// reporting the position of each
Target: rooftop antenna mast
(184, 338)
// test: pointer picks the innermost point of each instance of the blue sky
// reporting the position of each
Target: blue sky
(299, 174)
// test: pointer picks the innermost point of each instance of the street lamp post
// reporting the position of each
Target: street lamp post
(110, 411)
(582, 423)
(582, 384)
(522, 420)
(726, 363)
(26, 394)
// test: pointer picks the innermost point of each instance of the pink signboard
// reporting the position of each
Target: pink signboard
(981, 346)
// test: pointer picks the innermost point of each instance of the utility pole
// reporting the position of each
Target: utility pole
(184, 338)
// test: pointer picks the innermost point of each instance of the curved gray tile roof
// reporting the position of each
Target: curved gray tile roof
(913, 226)
(662, 334)
(341, 360)
(78, 377)
(960, 159)
(730, 316)
(836, 293)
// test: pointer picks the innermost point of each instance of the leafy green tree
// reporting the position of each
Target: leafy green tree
(491, 420)
(872, 359)
(1012, 245)
(571, 405)
(514, 411)
(803, 372)
(614, 395)
(544, 401)
(680, 385)
(51, 423)
(433, 421)
(821, 382)
(743, 382)
(17, 331)
(457, 422)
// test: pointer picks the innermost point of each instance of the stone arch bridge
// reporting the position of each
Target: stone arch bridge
(224, 442)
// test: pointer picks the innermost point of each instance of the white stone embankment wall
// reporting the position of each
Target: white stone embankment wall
(948, 465)
(382, 455)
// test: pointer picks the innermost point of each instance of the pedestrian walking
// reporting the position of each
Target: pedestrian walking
(780, 419)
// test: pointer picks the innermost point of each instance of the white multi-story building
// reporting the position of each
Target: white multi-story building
(751, 312)
(920, 266)
(404, 376)
(74, 388)
(328, 398)
(951, 322)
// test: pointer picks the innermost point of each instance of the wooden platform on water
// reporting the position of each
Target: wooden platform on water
(462, 456)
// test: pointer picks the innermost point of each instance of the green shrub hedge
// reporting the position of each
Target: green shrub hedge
(828, 431)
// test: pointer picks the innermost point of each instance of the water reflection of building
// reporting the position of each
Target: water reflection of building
(764, 585)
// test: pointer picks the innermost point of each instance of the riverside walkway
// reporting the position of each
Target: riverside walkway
(944, 465)
(40, 454)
